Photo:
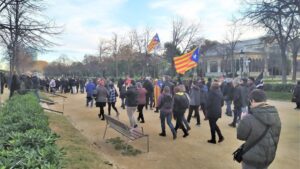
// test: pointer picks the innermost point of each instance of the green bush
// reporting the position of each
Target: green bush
(279, 87)
(26, 140)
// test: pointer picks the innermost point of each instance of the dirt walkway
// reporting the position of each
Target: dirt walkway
(191, 152)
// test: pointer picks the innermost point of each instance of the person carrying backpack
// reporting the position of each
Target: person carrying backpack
(181, 103)
(165, 103)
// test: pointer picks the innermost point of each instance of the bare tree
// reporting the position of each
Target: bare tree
(103, 49)
(183, 36)
(115, 46)
(22, 24)
(231, 39)
(278, 17)
(294, 46)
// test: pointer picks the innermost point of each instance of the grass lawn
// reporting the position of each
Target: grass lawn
(79, 152)
(284, 96)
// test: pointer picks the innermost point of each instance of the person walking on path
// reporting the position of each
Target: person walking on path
(131, 103)
(149, 96)
(194, 102)
(52, 85)
(157, 90)
(123, 95)
(90, 89)
(101, 98)
(141, 101)
(244, 96)
(237, 102)
(203, 97)
(263, 122)
(296, 95)
(215, 103)
(181, 103)
(228, 96)
(112, 98)
(165, 103)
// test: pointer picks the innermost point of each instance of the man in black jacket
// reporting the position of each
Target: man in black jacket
(237, 101)
(149, 96)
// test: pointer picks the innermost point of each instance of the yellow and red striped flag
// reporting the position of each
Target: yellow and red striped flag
(154, 43)
(186, 61)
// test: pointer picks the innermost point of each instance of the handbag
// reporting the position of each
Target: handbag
(238, 154)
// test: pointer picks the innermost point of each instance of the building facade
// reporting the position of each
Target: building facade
(249, 58)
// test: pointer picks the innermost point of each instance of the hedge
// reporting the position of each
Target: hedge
(26, 140)
(279, 87)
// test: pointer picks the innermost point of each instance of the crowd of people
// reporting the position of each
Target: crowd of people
(172, 98)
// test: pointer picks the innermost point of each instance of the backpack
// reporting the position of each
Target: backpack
(166, 102)
(185, 102)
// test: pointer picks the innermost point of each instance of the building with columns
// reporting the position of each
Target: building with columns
(250, 57)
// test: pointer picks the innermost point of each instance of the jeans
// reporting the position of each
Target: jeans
(228, 107)
(237, 114)
(214, 128)
(245, 109)
(130, 112)
(140, 110)
(196, 109)
(163, 117)
(247, 166)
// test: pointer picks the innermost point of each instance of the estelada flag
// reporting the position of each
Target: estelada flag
(154, 43)
(187, 61)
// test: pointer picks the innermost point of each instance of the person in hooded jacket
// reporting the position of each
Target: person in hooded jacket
(296, 95)
(90, 88)
(215, 103)
(165, 103)
(180, 104)
(262, 116)
(141, 101)
(131, 103)
(101, 98)
(112, 98)
(194, 102)
(237, 102)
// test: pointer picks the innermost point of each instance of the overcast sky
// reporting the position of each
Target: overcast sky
(87, 21)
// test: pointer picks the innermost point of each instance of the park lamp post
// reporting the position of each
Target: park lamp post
(242, 61)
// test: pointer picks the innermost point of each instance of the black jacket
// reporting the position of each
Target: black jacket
(228, 91)
(148, 86)
(296, 93)
(215, 103)
(179, 102)
(237, 97)
(131, 97)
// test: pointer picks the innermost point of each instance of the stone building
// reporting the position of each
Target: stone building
(250, 58)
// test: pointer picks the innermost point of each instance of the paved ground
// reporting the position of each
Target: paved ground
(191, 152)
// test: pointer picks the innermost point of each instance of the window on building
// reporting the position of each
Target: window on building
(214, 66)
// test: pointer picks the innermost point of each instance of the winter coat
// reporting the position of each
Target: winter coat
(179, 100)
(123, 92)
(251, 87)
(112, 94)
(252, 126)
(296, 93)
(237, 97)
(163, 105)
(195, 95)
(215, 103)
(228, 91)
(90, 88)
(142, 96)
(101, 94)
(131, 97)
(244, 95)
(203, 94)
(148, 86)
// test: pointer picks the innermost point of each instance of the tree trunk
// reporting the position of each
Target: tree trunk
(284, 65)
(295, 65)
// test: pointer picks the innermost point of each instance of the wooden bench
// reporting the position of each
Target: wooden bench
(130, 133)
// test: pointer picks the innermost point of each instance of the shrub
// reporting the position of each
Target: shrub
(279, 87)
(26, 140)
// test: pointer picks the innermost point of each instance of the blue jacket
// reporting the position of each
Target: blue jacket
(89, 88)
